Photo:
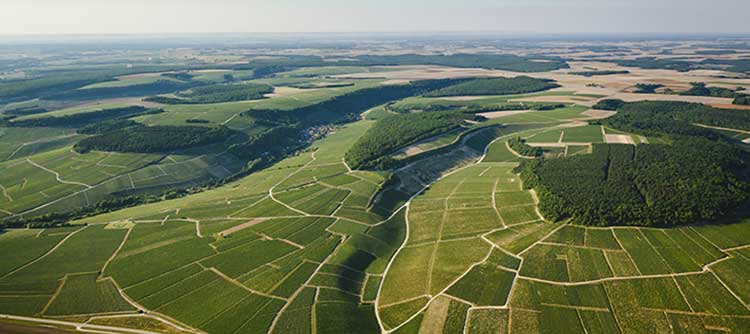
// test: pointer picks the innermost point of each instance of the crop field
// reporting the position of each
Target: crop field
(344, 194)
(538, 277)
(584, 134)
(172, 257)
(58, 178)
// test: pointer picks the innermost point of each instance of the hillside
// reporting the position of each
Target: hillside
(380, 183)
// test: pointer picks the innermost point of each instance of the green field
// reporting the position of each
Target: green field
(449, 239)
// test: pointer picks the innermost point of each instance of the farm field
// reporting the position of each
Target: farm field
(543, 277)
(376, 185)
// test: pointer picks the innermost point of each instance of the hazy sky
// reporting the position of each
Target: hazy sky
(542, 16)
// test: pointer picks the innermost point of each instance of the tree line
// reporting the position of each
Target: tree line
(673, 117)
(692, 180)
(700, 176)
(520, 146)
(216, 94)
(496, 86)
(83, 118)
(153, 139)
(373, 149)
(596, 73)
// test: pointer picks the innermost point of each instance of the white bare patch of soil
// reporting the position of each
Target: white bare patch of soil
(598, 113)
(498, 114)
(243, 226)
(632, 97)
(618, 139)
(286, 91)
(556, 144)
(463, 98)
(731, 106)
(119, 225)
(557, 98)
(429, 72)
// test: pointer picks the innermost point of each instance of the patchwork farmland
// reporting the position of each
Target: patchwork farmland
(377, 189)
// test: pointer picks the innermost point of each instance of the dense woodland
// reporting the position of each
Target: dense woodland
(107, 126)
(609, 104)
(182, 76)
(156, 87)
(519, 145)
(288, 127)
(700, 89)
(444, 105)
(596, 73)
(217, 94)
(83, 118)
(692, 180)
(153, 139)
(700, 176)
(644, 88)
(651, 63)
(496, 86)
(347, 107)
(390, 133)
(60, 82)
(488, 61)
(655, 118)
(743, 100)
(24, 111)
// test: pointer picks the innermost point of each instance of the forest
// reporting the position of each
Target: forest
(700, 175)
(595, 73)
(156, 87)
(83, 118)
(443, 105)
(655, 118)
(692, 180)
(496, 86)
(107, 126)
(488, 61)
(372, 150)
(24, 111)
(743, 100)
(153, 139)
(644, 88)
(287, 127)
(609, 104)
(216, 94)
(651, 63)
(700, 89)
(519, 145)
(347, 107)
(58, 82)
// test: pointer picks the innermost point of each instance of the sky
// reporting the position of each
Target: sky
(510, 16)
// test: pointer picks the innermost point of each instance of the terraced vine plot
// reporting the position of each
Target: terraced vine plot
(448, 252)
(535, 277)
(305, 247)
(227, 260)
